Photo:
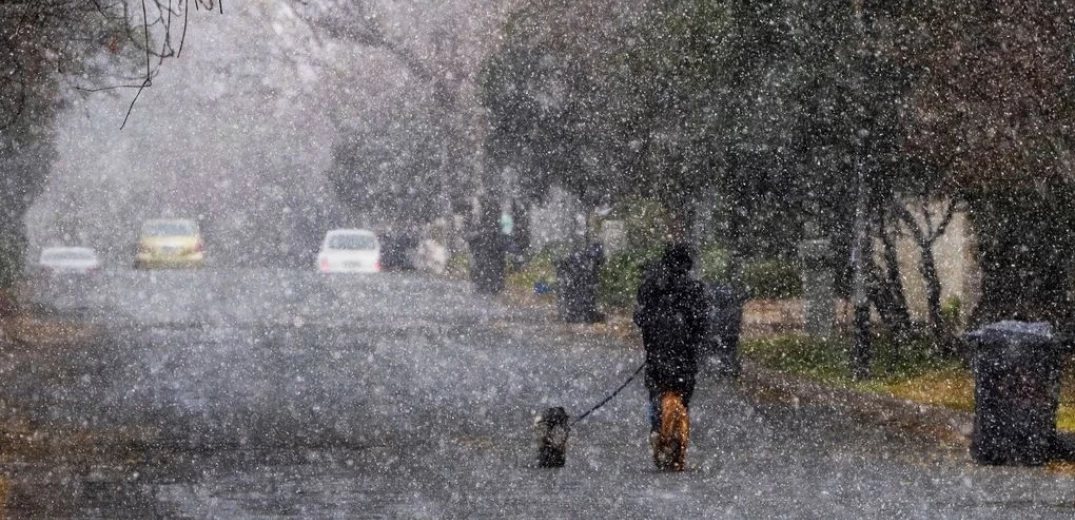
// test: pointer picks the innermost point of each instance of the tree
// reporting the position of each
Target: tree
(784, 109)
(995, 105)
(553, 108)
(442, 62)
(387, 172)
(925, 228)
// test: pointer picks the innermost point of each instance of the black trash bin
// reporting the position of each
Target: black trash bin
(397, 250)
(577, 279)
(1016, 393)
(721, 346)
(487, 251)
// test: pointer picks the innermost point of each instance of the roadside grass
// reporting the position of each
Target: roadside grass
(540, 268)
(906, 372)
(458, 267)
(30, 329)
(520, 283)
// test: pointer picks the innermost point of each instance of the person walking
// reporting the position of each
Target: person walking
(672, 314)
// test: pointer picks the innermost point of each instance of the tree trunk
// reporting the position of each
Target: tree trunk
(521, 227)
(942, 342)
(861, 352)
(487, 250)
(890, 300)
(12, 248)
(589, 225)
(1024, 243)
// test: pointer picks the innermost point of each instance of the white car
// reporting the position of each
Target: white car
(68, 260)
(350, 251)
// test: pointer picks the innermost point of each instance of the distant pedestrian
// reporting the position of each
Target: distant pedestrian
(578, 274)
(672, 313)
(488, 247)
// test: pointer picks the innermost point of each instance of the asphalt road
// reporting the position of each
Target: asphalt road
(283, 394)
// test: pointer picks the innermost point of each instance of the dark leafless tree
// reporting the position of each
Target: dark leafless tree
(926, 228)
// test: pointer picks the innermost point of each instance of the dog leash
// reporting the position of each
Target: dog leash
(610, 396)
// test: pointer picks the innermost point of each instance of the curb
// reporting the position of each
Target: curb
(948, 426)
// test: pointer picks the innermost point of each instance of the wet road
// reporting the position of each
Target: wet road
(279, 394)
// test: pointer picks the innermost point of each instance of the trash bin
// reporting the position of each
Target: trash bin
(487, 249)
(397, 249)
(1016, 392)
(721, 346)
(577, 278)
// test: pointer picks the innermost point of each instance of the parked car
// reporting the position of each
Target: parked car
(170, 243)
(349, 251)
(55, 261)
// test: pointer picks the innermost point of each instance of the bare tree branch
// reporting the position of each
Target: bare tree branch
(145, 84)
(69, 34)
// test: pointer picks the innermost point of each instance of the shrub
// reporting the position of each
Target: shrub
(952, 312)
(619, 278)
(458, 266)
(646, 222)
(540, 268)
(773, 279)
(713, 264)
(622, 273)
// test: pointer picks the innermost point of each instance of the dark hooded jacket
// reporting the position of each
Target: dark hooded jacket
(671, 313)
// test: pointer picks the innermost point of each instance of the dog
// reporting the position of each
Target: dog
(670, 441)
(552, 431)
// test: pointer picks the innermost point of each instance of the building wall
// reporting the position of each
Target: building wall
(955, 257)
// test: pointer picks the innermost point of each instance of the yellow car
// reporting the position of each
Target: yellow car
(170, 243)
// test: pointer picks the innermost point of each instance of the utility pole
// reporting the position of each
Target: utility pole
(860, 350)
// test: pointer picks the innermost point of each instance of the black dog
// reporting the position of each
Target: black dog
(553, 429)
